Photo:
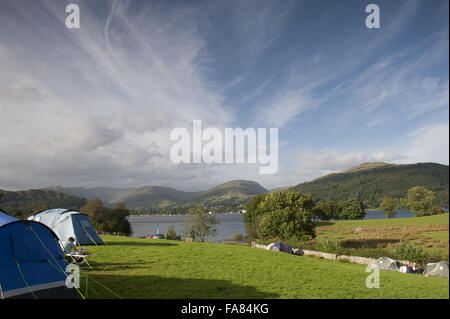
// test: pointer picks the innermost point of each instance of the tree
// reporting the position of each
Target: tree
(353, 208)
(389, 205)
(116, 220)
(96, 212)
(107, 220)
(252, 216)
(422, 202)
(283, 215)
(328, 210)
(201, 223)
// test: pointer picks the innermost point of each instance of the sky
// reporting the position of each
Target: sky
(95, 106)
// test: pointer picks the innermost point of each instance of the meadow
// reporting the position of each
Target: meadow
(150, 268)
(377, 237)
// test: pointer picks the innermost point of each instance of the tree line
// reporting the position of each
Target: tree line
(419, 200)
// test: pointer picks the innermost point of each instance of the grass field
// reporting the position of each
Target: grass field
(147, 268)
(426, 220)
(377, 237)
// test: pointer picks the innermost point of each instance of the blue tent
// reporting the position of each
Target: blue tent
(32, 263)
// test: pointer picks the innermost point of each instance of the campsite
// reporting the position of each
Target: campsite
(142, 268)
(279, 151)
(127, 267)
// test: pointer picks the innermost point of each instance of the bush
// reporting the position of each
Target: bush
(171, 234)
(238, 237)
(407, 251)
(327, 246)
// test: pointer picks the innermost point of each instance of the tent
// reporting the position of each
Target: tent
(279, 246)
(437, 269)
(69, 223)
(32, 263)
(387, 263)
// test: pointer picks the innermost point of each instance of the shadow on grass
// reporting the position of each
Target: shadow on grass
(324, 223)
(153, 287)
(120, 266)
(368, 243)
(151, 242)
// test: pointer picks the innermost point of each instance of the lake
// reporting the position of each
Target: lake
(230, 224)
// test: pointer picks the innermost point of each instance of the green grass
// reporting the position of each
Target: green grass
(144, 268)
(377, 237)
(441, 235)
(426, 220)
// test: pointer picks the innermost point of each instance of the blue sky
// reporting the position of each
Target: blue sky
(95, 106)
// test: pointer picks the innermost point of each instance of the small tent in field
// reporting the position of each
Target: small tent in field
(387, 263)
(279, 246)
(437, 269)
(32, 263)
(69, 223)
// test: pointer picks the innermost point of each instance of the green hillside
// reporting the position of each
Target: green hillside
(153, 198)
(371, 182)
(24, 203)
(230, 194)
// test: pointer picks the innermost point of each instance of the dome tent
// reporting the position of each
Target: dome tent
(69, 223)
(279, 246)
(386, 263)
(32, 263)
(437, 269)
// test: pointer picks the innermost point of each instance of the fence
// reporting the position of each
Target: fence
(329, 256)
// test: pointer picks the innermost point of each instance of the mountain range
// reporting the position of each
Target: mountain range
(229, 195)
(370, 182)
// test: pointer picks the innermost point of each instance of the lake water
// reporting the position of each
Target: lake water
(230, 224)
(381, 214)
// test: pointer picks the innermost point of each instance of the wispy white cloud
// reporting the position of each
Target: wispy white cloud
(95, 106)
(112, 106)
(314, 162)
(429, 143)
(398, 80)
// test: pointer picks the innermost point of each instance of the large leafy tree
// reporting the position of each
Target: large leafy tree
(108, 220)
(422, 202)
(253, 213)
(353, 208)
(116, 220)
(389, 205)
(282, 214)
(328, 210)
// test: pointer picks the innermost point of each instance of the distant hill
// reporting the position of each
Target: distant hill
(232, 193)
(158, 198)
(371, 182)
(24, 203)
(141, 198)
(282, 188)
